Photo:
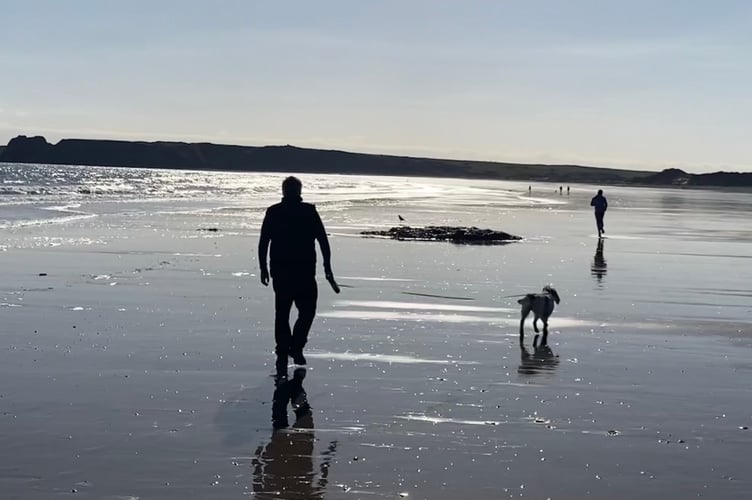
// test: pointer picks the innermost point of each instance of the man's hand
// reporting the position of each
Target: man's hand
(265, 277)
(330, 278)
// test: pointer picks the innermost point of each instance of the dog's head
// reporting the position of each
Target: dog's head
(552, 291)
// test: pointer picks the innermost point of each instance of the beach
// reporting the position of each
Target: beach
(136, 359)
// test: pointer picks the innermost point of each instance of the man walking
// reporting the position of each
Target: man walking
(600, 204)
(292, 227)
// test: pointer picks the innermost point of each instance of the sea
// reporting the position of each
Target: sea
(668, 253)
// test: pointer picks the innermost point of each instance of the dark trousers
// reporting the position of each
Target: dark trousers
(303, 293)
(599, 220)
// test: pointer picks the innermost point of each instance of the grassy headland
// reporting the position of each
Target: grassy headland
(208, 156)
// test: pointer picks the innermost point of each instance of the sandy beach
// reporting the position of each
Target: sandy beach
(136, 357)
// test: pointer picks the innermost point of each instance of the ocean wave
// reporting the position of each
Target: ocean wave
(39, 222)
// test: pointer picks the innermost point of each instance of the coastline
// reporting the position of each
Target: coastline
(233, 158)
(554, 183)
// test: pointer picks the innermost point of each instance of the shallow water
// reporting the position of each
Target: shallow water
(139, 365)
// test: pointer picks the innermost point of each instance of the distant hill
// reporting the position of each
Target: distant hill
(207, 156)
(677, 177)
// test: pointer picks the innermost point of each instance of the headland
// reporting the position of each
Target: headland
(287, 158)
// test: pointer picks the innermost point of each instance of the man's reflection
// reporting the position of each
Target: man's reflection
(284, 468)
(543, 360)
(598, 268)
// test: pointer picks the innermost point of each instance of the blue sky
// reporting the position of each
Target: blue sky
(638, 84)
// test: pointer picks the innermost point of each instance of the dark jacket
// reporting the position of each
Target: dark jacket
(600, 203)
(293, 228)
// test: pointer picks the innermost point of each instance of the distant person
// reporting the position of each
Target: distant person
(600, 204)
(530, 190)
(567, 190)
(561, 189)
(292, 227)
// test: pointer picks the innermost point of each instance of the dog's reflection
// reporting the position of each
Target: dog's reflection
(541, 361)
(284, 468)
(598, 267)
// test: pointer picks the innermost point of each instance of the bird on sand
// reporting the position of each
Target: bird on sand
(402, 219)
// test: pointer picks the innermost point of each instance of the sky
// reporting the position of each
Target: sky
(633, 84)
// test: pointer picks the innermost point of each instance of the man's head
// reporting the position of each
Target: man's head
(292, 187)
(600, 191)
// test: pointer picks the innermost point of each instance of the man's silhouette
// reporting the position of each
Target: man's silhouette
(292, 227)
(600, 204)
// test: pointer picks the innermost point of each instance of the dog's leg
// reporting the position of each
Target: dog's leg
(522, 326)
(535, 324)
(544, 341)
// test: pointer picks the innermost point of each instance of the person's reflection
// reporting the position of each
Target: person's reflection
(598, 268)
(543, 360)
(284, 468)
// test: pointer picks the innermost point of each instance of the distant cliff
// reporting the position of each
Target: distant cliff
(677, 177)
(207, 156)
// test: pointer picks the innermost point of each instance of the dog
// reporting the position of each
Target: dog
(542, 305)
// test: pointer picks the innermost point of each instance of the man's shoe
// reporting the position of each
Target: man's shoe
(297, 357)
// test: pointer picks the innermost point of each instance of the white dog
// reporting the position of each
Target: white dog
(542, 305)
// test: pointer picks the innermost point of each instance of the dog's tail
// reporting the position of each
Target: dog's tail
(527, 298)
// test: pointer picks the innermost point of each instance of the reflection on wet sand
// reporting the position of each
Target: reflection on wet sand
(542, 361)
(598, 268)
(284, 468)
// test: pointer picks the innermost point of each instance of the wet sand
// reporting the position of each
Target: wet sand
(139, 365)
